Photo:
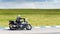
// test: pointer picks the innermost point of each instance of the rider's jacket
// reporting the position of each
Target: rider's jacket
(18, 20)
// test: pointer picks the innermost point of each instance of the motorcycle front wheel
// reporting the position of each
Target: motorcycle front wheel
(28, 27)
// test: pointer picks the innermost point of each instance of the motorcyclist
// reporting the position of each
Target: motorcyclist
(19, 23)
(18, 19)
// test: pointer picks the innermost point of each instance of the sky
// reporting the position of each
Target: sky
(33, 4)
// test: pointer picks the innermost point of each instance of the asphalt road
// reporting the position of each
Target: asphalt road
(33, 31)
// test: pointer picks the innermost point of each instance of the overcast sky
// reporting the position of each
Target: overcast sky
(41, 4)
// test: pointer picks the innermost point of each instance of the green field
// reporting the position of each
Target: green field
(36, 17)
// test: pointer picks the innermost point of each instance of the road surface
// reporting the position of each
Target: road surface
(33, 31)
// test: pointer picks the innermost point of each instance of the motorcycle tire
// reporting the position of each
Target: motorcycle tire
(28, 27)
(12, 28)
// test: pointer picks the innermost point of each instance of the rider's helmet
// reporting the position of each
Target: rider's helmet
(19, 16)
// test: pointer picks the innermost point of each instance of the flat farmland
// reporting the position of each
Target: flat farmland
(36, 17)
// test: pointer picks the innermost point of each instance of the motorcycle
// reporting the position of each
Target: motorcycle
(24, 25)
